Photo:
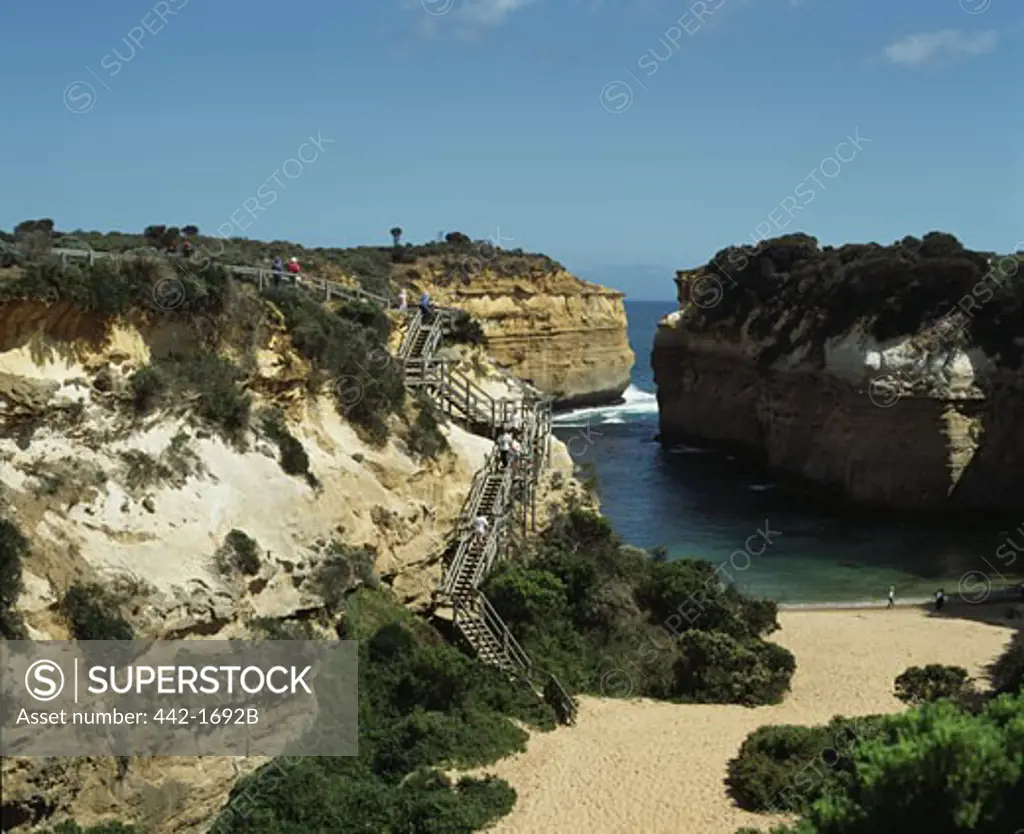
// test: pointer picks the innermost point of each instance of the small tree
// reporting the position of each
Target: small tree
(190, 230)
(34, 237)
(154, 234)
(396, 235)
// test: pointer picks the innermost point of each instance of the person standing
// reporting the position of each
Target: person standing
(504, 447)
(277, 269)
(940, 599)
(517, 454)
(892, 596)
(403, 301)
(294, 269)
(425, 307)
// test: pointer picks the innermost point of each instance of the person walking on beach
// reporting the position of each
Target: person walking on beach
(892, 596)
(504, 447)
(940, 599)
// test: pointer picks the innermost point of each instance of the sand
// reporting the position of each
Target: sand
(632, 766)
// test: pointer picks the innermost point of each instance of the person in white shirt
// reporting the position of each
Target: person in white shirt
(504, 447)
(403, 301)
(517, 453)
(480, 526)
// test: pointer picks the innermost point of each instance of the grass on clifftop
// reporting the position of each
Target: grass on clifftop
(455, 259)
(795, 293)
(610, 620)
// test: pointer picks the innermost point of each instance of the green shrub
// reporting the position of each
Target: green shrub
(343, 568)
(13, 548)
(465, 330)
(348, 353)
(146, 386)
(932, 682)
(294, 460)
(92, 613)
(786, 768)
(715, 667)
(113, 287)
(216, 381)
(590, 609)
(424, 706)
(424, 438)
(932, 768)
(239, 553)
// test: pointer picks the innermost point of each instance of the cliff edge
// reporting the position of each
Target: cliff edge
(565, 335)
(888, 374)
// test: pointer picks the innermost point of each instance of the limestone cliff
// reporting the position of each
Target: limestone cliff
(890, 375)
(565, 335)
(142, 504)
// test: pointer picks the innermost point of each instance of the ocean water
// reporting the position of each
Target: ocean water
(773, 538)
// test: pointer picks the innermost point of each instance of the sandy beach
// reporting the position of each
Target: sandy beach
(639, 766)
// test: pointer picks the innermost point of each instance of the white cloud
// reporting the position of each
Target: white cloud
(932, 47)
(467, 19)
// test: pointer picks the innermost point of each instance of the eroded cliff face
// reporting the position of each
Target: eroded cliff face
(565, 335)
(923, 421)
(142, 505)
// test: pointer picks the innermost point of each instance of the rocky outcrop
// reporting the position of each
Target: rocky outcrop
(565, 335)
(144, 504)
(889, 375)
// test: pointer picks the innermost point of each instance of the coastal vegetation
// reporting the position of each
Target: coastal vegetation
(611, 620)
(454, 258)
(13, 547)
(954, 762)
(424, 706)
(791, 293)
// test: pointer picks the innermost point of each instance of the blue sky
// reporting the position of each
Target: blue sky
(606, 134)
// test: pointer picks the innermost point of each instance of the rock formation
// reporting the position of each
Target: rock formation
(565, 335)
(891, 375)
(143, 503)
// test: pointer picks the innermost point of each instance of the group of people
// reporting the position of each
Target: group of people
(278, 269)
(510, 453)
(940, 598)
(426, 305)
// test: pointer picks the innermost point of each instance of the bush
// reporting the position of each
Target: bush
(717, 668)
(424, 438)
(216, 382)
(424, 706)
(349, 353)
(930, 683)
(240, 553)
(786, 768)
(72, 827)
(343, 568)
(932, 768)
(273, 629)
(294, 460)
(586, 607)
(13, 548)
(146, 386)
(92, 613)
(465, 330)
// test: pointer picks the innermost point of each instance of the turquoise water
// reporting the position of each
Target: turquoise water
(703, 503)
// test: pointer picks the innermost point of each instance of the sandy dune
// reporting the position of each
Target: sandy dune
(641, 767)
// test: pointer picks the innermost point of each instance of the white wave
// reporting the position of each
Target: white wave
(635, 403)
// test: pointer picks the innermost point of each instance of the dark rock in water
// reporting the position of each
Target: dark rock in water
(849, 563)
